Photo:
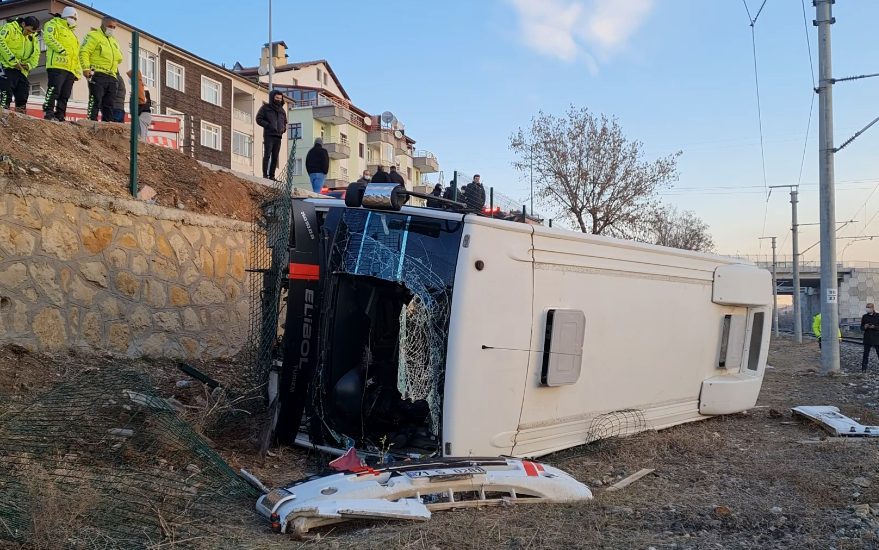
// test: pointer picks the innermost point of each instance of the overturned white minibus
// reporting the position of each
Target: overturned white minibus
(424, 332)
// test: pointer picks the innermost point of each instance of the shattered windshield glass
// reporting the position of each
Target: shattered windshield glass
(388, 307)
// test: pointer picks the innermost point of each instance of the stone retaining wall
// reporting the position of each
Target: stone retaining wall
(99, 273)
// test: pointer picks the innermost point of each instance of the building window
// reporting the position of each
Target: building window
(408, 173)
(294, 131)
(325, 79)
(211, 136)
(319, 73)
(297, 167)
(361, 148)
(174, 76)
(389, 153)
(149, 67)
(211, 91)
(242, 144)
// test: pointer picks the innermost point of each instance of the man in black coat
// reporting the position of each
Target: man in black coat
(272, 116)
(474, 194)
(870, 326)
(317, 164)
(380, 176)
(437, 192)
(396, 177)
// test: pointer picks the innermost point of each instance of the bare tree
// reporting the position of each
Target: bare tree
(589, 172)
(666, 226)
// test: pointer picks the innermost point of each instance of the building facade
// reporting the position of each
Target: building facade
(216, 107)
(356, 140)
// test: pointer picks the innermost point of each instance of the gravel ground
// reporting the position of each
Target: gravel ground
(761, 479)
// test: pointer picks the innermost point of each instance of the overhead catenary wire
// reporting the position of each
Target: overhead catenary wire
(753, 22)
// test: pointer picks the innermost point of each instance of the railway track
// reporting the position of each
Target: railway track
(845, 339)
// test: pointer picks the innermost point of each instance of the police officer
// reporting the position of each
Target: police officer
(62, 62)
(19, 53)
(100, 57)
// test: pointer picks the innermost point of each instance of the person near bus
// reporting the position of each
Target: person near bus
(816, 329)
(870, 326)
(19, 54)
(100, 57)
(62, 62)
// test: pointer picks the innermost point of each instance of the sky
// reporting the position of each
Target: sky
(679, 75)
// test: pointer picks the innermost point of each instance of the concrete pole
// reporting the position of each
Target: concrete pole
(774, 289)
(795, 268)
(829, 285)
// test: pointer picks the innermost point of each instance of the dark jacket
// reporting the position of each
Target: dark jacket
(317, 161)
(119, 100)
(363, 180)
(396, 177)
(381, 177)
(474, 195)
(437, 192)
(272, 117)
(871, 335)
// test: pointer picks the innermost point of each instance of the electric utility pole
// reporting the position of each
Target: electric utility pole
(795, 264)
(774, 287)
(829, 286)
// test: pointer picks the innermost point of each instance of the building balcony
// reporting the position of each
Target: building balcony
(381, 136)
(338, 150)
(426, 162)
(242, 116)
(338, 177)
(331, 113)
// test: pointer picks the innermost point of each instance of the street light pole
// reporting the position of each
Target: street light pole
(795, 268)
(271, 52)
(774, 287)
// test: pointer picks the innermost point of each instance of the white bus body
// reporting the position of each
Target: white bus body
(541, 336)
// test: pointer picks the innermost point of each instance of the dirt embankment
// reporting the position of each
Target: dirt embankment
(95, 157)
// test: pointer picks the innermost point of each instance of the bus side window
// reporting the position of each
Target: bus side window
(563, 347)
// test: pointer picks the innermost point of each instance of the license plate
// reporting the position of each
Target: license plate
(446, 472)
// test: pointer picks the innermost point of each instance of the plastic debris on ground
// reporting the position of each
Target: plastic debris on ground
(413, 490)
(836, 423)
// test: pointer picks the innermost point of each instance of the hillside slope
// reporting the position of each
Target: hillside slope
(95, 157)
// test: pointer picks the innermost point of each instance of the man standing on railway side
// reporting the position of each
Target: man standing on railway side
(816, 329)
(870, 326)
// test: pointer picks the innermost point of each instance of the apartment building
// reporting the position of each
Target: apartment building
(355, 139)
(215, 107)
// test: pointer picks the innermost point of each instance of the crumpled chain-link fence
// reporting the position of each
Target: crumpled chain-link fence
(102, 461)
(270, 238)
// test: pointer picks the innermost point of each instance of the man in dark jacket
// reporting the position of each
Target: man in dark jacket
(364, 177)
(474, 194)
(870, 326)
(380, 176)
(317, 165)
(437, 192)
(272, 116)
(396, 177)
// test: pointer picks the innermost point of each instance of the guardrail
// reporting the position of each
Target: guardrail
(242, 116)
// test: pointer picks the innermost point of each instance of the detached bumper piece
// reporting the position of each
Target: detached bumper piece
(412, 490)
(836, 423)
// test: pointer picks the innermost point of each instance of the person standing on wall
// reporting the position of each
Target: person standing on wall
(19, 54)
(474, 194)
(870, 326)
(396, 177)
(272, 116)
(100, 58)
(380, 176)
(317, 164)
(144, 108)
(62, 62)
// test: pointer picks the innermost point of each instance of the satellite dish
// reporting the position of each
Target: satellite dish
(398, 134)
(367, 121)
(262, 70)
(388, 117)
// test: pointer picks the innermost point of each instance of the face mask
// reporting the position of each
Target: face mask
(71, 21)
(870, 310)
(110, 32)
